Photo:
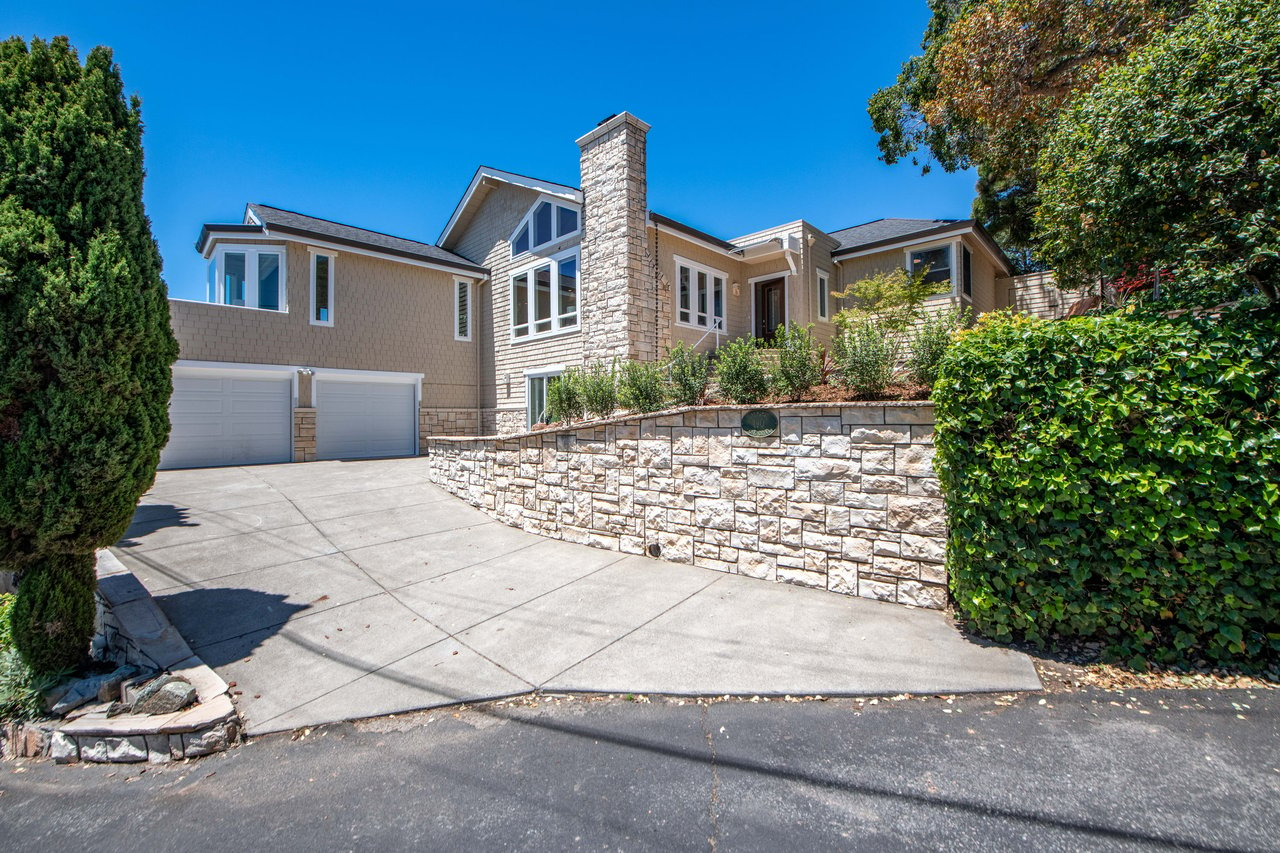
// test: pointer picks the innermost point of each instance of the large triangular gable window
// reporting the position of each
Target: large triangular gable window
(548, 221)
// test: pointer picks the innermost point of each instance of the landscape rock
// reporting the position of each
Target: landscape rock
(165, 695)
(72, 696)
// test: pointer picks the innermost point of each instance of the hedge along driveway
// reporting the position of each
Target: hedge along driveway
(1117, 478)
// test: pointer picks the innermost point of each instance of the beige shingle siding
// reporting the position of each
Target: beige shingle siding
(737, 318)
(485, 240)
(387, 316)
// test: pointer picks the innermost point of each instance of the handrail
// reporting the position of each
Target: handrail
(717, 326)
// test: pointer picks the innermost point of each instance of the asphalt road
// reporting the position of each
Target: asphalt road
(1084, 771)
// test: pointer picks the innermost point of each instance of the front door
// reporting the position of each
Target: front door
(770, 307)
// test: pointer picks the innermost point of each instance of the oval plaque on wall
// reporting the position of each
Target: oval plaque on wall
(760, 423)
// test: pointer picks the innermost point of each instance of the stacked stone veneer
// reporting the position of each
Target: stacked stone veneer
(843, 498)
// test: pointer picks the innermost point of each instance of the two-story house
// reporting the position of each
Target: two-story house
(324, 341)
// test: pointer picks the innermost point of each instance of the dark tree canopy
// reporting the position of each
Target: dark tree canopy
(1170, 162)
(992, 78)
(85, 342)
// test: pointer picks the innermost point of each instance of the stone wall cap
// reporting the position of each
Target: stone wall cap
(680, 410)
(611, 124)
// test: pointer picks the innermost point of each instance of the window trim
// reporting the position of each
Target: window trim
(712, 274)
(333, 257)
(461, 285)
(823, 307)
(527, 220)
(250, 274)
(950, 246)
(557, 318)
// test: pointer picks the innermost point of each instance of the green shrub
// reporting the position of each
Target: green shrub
(689, 373)
(930, 341)
(85, 342)
(7, 601)
(564, 398)
(799, 361)
(641, 387)
(866, 354)
(1117, 478)
(52, 620)
(599, 387)
(740, 371)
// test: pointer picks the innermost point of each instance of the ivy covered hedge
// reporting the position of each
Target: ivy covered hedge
(1117, 479)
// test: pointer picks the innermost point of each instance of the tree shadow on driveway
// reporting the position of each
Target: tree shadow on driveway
(207, 618)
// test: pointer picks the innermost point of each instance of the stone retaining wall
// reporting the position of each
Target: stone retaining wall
(844, 497)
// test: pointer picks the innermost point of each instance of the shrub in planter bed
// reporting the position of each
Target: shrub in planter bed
(740, 371)
(689, 372)
(799, 361)
(1118, 479)
(866, 354)
(564, 398)
(641, 387)
(930, 341)
(599, 388)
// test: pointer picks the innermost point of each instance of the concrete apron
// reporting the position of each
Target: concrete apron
(338, 590)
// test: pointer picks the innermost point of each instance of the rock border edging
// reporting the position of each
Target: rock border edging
(133, 629)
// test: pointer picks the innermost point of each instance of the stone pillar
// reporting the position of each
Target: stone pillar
(304, 434)
(618, 299)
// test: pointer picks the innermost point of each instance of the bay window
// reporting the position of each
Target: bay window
(248, 277)
(544, 298)
(699, 295)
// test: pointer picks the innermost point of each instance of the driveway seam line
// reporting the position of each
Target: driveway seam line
(622, 637)
(390, 591)
(306, 520)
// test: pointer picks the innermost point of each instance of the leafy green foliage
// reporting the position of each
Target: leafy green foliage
(799, 360)
(689, 372)
(599, 388)
(1117, 478)
(1172, 162)
(866, 354)
(641, 387)
(741, 372)
(895, 298)
(930, 340)
(53, 616)
(21, 690)
(564, 398)
(992, 78)
(85, 343)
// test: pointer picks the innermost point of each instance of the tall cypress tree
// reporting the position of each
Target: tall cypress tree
(85, 342)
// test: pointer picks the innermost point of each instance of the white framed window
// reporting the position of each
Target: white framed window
(544, 297)
(938, 259)
(699, 295)
(824, 295)
(536, 383)
(461, 309)
(248, 276)
(548, 221)
(322, 287)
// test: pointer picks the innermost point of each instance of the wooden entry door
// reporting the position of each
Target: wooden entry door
(771, 309)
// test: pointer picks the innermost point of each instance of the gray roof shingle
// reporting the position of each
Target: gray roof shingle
(881, 230)
(292, 222)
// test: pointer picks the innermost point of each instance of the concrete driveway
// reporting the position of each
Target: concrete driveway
(339, 590)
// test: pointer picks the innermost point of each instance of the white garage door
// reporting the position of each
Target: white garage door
(228, 418)
(361, 420)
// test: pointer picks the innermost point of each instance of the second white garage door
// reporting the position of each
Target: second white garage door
(363, 420)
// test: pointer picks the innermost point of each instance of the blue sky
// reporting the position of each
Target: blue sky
(378, 114)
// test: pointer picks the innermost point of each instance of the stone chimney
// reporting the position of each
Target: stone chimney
(619, 300)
